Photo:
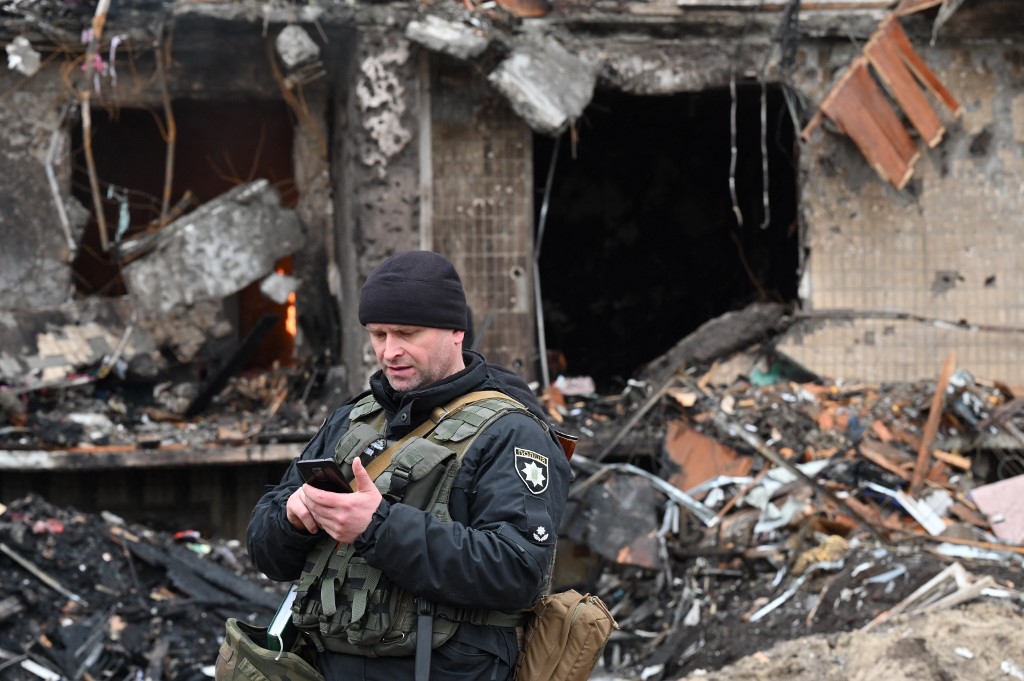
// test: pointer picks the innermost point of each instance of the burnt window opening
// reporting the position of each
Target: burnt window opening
(219, 145)
(641, 244)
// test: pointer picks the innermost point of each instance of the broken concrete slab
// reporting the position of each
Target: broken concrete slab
(186, 329)
(51, 344)
(279, 287)
(22, 57)
(548, 86)
(215, 251)
(295, 46)
(448, 37)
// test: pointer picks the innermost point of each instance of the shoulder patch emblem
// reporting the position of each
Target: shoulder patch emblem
(532, 469)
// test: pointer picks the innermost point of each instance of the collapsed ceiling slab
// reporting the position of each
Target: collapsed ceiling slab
(454, 38)
(215, 251)
(547, 85)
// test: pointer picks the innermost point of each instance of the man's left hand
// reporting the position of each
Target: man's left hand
(344, 516)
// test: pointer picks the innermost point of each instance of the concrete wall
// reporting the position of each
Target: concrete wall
(947, 248)
(377, 177)
(35, 252)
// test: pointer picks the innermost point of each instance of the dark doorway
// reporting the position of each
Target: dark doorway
(219, 146)
(641, 242)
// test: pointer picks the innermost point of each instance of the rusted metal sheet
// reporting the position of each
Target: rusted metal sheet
(700, 458)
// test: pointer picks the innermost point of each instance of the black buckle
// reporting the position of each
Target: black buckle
(424, 607)
(400, 479)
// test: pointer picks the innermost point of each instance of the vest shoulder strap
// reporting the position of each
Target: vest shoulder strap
(364, 407)
(438, 416)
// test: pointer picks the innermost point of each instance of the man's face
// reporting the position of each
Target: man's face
(416, 356)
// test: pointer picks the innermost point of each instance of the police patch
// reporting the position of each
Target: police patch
(532, 469)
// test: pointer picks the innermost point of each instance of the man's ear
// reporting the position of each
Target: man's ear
(458, 335)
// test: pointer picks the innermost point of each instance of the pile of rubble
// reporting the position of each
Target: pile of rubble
(776, 508)
(90, 597)
(717, 512)
(113, 414)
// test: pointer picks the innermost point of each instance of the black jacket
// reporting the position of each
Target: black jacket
(496, 553)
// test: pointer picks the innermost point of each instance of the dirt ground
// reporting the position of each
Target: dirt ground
(977, 642)
(818, 633)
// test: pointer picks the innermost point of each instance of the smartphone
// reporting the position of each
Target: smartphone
(323, 474)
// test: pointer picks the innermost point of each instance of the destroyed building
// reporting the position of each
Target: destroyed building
(194, 191)
(682, 214)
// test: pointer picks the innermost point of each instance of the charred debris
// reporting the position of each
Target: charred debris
(138, 372)
(725, 500)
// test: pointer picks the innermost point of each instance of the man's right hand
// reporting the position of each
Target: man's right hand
(298, 514)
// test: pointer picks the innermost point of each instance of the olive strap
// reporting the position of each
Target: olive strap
(382, 461)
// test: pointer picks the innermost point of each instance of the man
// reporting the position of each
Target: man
(470, 577)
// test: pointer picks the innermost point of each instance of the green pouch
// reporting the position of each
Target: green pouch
(242, 659)
(361, 438)
(415, 472)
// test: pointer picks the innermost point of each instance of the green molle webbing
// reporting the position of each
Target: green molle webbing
(323, 552)
(357, 439)
(469, 420)
(337, 567)
(365, 406)
(349, 606)
(370, 578)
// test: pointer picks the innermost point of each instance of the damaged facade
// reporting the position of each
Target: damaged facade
(196, 191)
(699, 209)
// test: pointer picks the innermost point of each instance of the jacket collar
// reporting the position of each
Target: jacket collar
(407, 410)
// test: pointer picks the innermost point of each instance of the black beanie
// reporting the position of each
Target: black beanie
(418, 288)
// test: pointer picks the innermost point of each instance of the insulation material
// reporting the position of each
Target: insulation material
(1003, 503)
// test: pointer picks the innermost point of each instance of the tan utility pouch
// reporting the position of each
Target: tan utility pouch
(241, 658)
(565, 638)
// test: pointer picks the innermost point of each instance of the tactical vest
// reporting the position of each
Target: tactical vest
(343, 604)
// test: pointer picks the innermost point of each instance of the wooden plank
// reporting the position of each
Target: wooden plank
(920, 69)
(778, 5)
(881, 110)
(884, 55)
(931, 426)
(33, 460)
(858, 106)
(885, 456)
(954, 460)
(911, 6)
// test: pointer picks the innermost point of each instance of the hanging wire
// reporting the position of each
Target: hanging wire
(786, 35)
(765, 201)
(539, 241)
(732, 147)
